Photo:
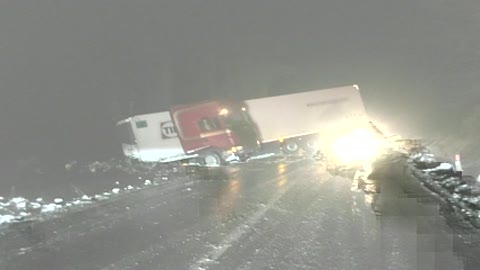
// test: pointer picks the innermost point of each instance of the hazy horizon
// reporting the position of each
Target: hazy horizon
(70, 69)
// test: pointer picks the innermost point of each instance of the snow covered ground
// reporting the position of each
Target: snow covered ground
(96, 181)
(460, 193)
(446, 147)
(20, 209)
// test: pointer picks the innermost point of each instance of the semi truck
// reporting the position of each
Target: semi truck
(333, 121)
(213, 132)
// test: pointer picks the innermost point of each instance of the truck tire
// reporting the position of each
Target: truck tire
(310, 145)
(291, 147)
(212, 158)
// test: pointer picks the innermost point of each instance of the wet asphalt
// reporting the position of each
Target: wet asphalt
(270, 214)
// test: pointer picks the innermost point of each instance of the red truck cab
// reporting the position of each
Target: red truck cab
(216, 129)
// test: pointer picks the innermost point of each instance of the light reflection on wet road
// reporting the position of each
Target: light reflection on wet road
(264, 215)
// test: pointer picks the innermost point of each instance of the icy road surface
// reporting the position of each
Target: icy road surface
(277, 215)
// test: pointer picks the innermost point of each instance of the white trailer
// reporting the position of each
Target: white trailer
(310, 120)
(151, 137)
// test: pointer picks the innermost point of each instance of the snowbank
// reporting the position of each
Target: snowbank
(6, 219)
(460, 194)
(124, 175)
(442, 167)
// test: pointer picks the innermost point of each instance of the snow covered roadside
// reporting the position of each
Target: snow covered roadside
(80, 185)
(95, 188)
(461, 194)
(19, 209)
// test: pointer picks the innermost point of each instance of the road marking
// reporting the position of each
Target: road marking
(238, 232)
(132, 261)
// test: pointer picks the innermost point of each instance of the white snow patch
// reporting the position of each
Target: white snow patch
(444, 166)
(129, 187)
(475, 200)
(39, 200)
(415, 156)
(116, 190)
(20, 203)
(69, 165)
(117, 183)
(51, 207)
(100, 197)
(164, 178)
(24, 214)
(6, 219)
(147, 182)
(423, 157)
(206, 260)
(77, 202)
(35, 205)
(1, 198)
(428, 158)
(58, 200)
(86, 198)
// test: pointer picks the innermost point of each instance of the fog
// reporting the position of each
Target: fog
(70, 69)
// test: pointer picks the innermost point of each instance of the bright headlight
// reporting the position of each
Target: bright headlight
(358, 146)
(236, 149)
(223, 111)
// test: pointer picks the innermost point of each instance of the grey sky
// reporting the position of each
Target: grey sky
(69, 68)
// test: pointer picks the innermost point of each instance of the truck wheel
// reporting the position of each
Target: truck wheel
(212, 159)
(291, 147)
(311, 145)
